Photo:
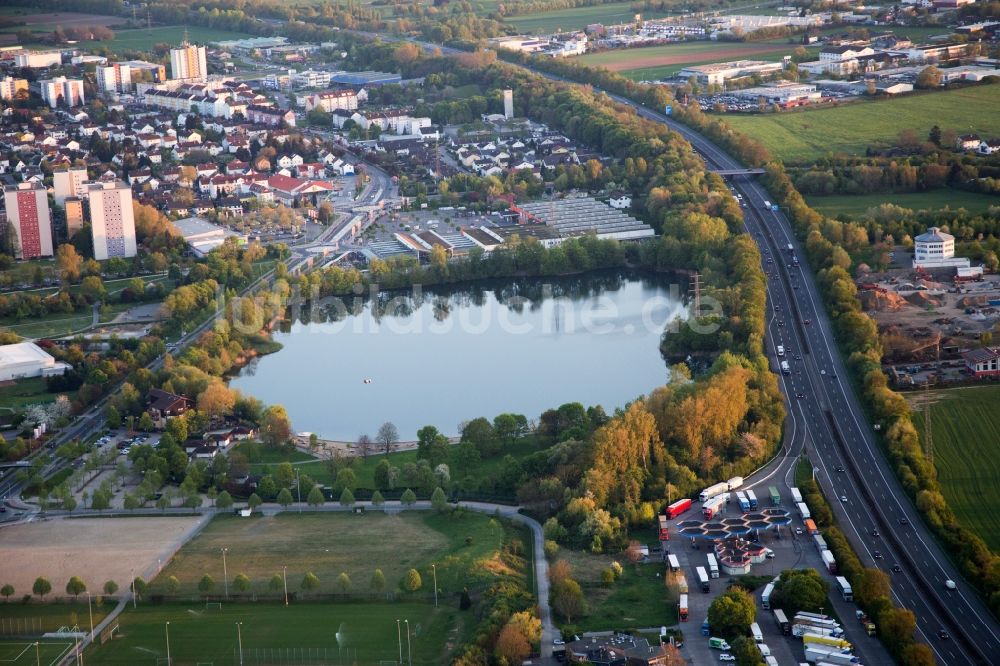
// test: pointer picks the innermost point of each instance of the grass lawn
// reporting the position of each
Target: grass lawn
(966, 427)
(805, 136)
(304, 634)
(38, 618)
(25, 392)
(578, 18)
(18, 652)
(330, 543)
(639, 599)
(854, 205)
(143, 40)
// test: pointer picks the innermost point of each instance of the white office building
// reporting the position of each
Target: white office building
(936, 249)
(112, 222)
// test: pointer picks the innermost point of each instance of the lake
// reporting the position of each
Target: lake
(447, 355)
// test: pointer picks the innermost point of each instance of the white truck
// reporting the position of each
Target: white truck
(817, 654)
(713, 566)
(756, 633)
(803, 510)
(796, 496)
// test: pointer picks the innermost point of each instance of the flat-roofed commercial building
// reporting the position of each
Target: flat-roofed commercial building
(26, 359)
(718, 73)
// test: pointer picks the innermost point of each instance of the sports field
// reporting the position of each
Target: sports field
(48, 652)
(143, 40)
(463, 546)
(855, 205)
(653, 62)
(299, 634)
(804, 136)
(965, 423)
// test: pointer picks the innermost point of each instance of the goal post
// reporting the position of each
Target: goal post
(213, 605)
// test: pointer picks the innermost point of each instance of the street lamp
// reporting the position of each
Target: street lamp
(284, 579)
(225, 572)
(399, 639)
(38, 658)
(239, 638)
(434, 569)
(298, 488)
(90, 611)
(166, 628)
(133, 589)
(409, 655)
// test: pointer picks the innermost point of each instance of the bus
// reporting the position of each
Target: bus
(782, 621)
(752, 498)
(796, 496)
(765, 597)
(703, 579)
(675, 565)
(775, 496)
(713, 566)
(845, 589)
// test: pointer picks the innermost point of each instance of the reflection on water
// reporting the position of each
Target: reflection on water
(445, 355)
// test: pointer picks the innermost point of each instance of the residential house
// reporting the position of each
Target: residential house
(162, 406)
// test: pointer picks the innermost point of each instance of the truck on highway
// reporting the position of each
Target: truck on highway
(713, 566)
(821, 654)
(713, 506)
(712, 491)
(810, 526)
(782, 621)
(752, 498)
(785, 368)
(682, 608)
(796, 496)
(820, 543)
(744, 502)
(803, 510)
(765, 596)
(845, 589)
(756, 633)
(790, 248)
(673, 562)
(829, 561)
(703, 579)
(775, 495)
(815, 638)
(664, 531)
(678, 507)
(718, 643)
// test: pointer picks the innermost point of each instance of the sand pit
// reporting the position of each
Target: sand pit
(720, 55)
(96, 549)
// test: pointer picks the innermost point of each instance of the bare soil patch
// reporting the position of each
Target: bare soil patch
(68, 19)
(96, 549)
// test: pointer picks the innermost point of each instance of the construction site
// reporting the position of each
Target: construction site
(927, 319)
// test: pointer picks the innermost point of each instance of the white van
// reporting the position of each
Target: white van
(781, 350)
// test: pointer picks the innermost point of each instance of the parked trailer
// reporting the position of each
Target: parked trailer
(678, 507)
(796, 496)
(811, 638)
(800, 629)
(664, 532)
(846, 591)
(756, 633)
(713, 566)
(744, 502)
(782, 621)
(752, 498)
(712, 491)
(775, 495)
(816, 620)
(734, 483)
(829, 560)
(770, 661)
(713, 506)
(703, 579)
(820, 543)
(682, 608)
(765, 597)
(821, 654)
(673, 562)
(803, 510)
(810, 526)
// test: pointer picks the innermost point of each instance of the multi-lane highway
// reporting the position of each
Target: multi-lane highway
(826, 418)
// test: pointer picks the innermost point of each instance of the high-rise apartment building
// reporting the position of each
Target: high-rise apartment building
(61, 91)
(9, 87)
(188, 62)
(115, 78)
(68, 183)
(508, 104)
(74, 215)
(112, 222)
(28, 214)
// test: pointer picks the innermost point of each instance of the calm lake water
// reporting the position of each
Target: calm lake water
(447, 355)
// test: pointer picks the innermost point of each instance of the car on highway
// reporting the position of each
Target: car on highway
(875, 533)
(798, 530)
(807, 321)
(896, 569)
(943, 635)
(843, 498)
(840, 468)
(800, 395)
(877, 554)
(949, 584)
(904, 521)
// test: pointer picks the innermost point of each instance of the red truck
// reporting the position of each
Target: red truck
(677, 508)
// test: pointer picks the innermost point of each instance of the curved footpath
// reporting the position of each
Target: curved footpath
(541, 566)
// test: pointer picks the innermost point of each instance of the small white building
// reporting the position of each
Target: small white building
(620, 200)
(936, 249)
(26, 359)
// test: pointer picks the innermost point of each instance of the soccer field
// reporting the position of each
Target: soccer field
(349, 633)
(858, 204)
(805, 136)
(25, 653)
(966, 428)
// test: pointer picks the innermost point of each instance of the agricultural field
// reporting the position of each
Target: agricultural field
(346, 633)
(655, 62)
(577, 18)
(965, 424)
(805, 136)
(142, 39)
(855, 205)
(464, 546)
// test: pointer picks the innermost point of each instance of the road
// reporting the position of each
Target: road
(829, 422)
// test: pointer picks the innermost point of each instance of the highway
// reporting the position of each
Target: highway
(827, 419)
